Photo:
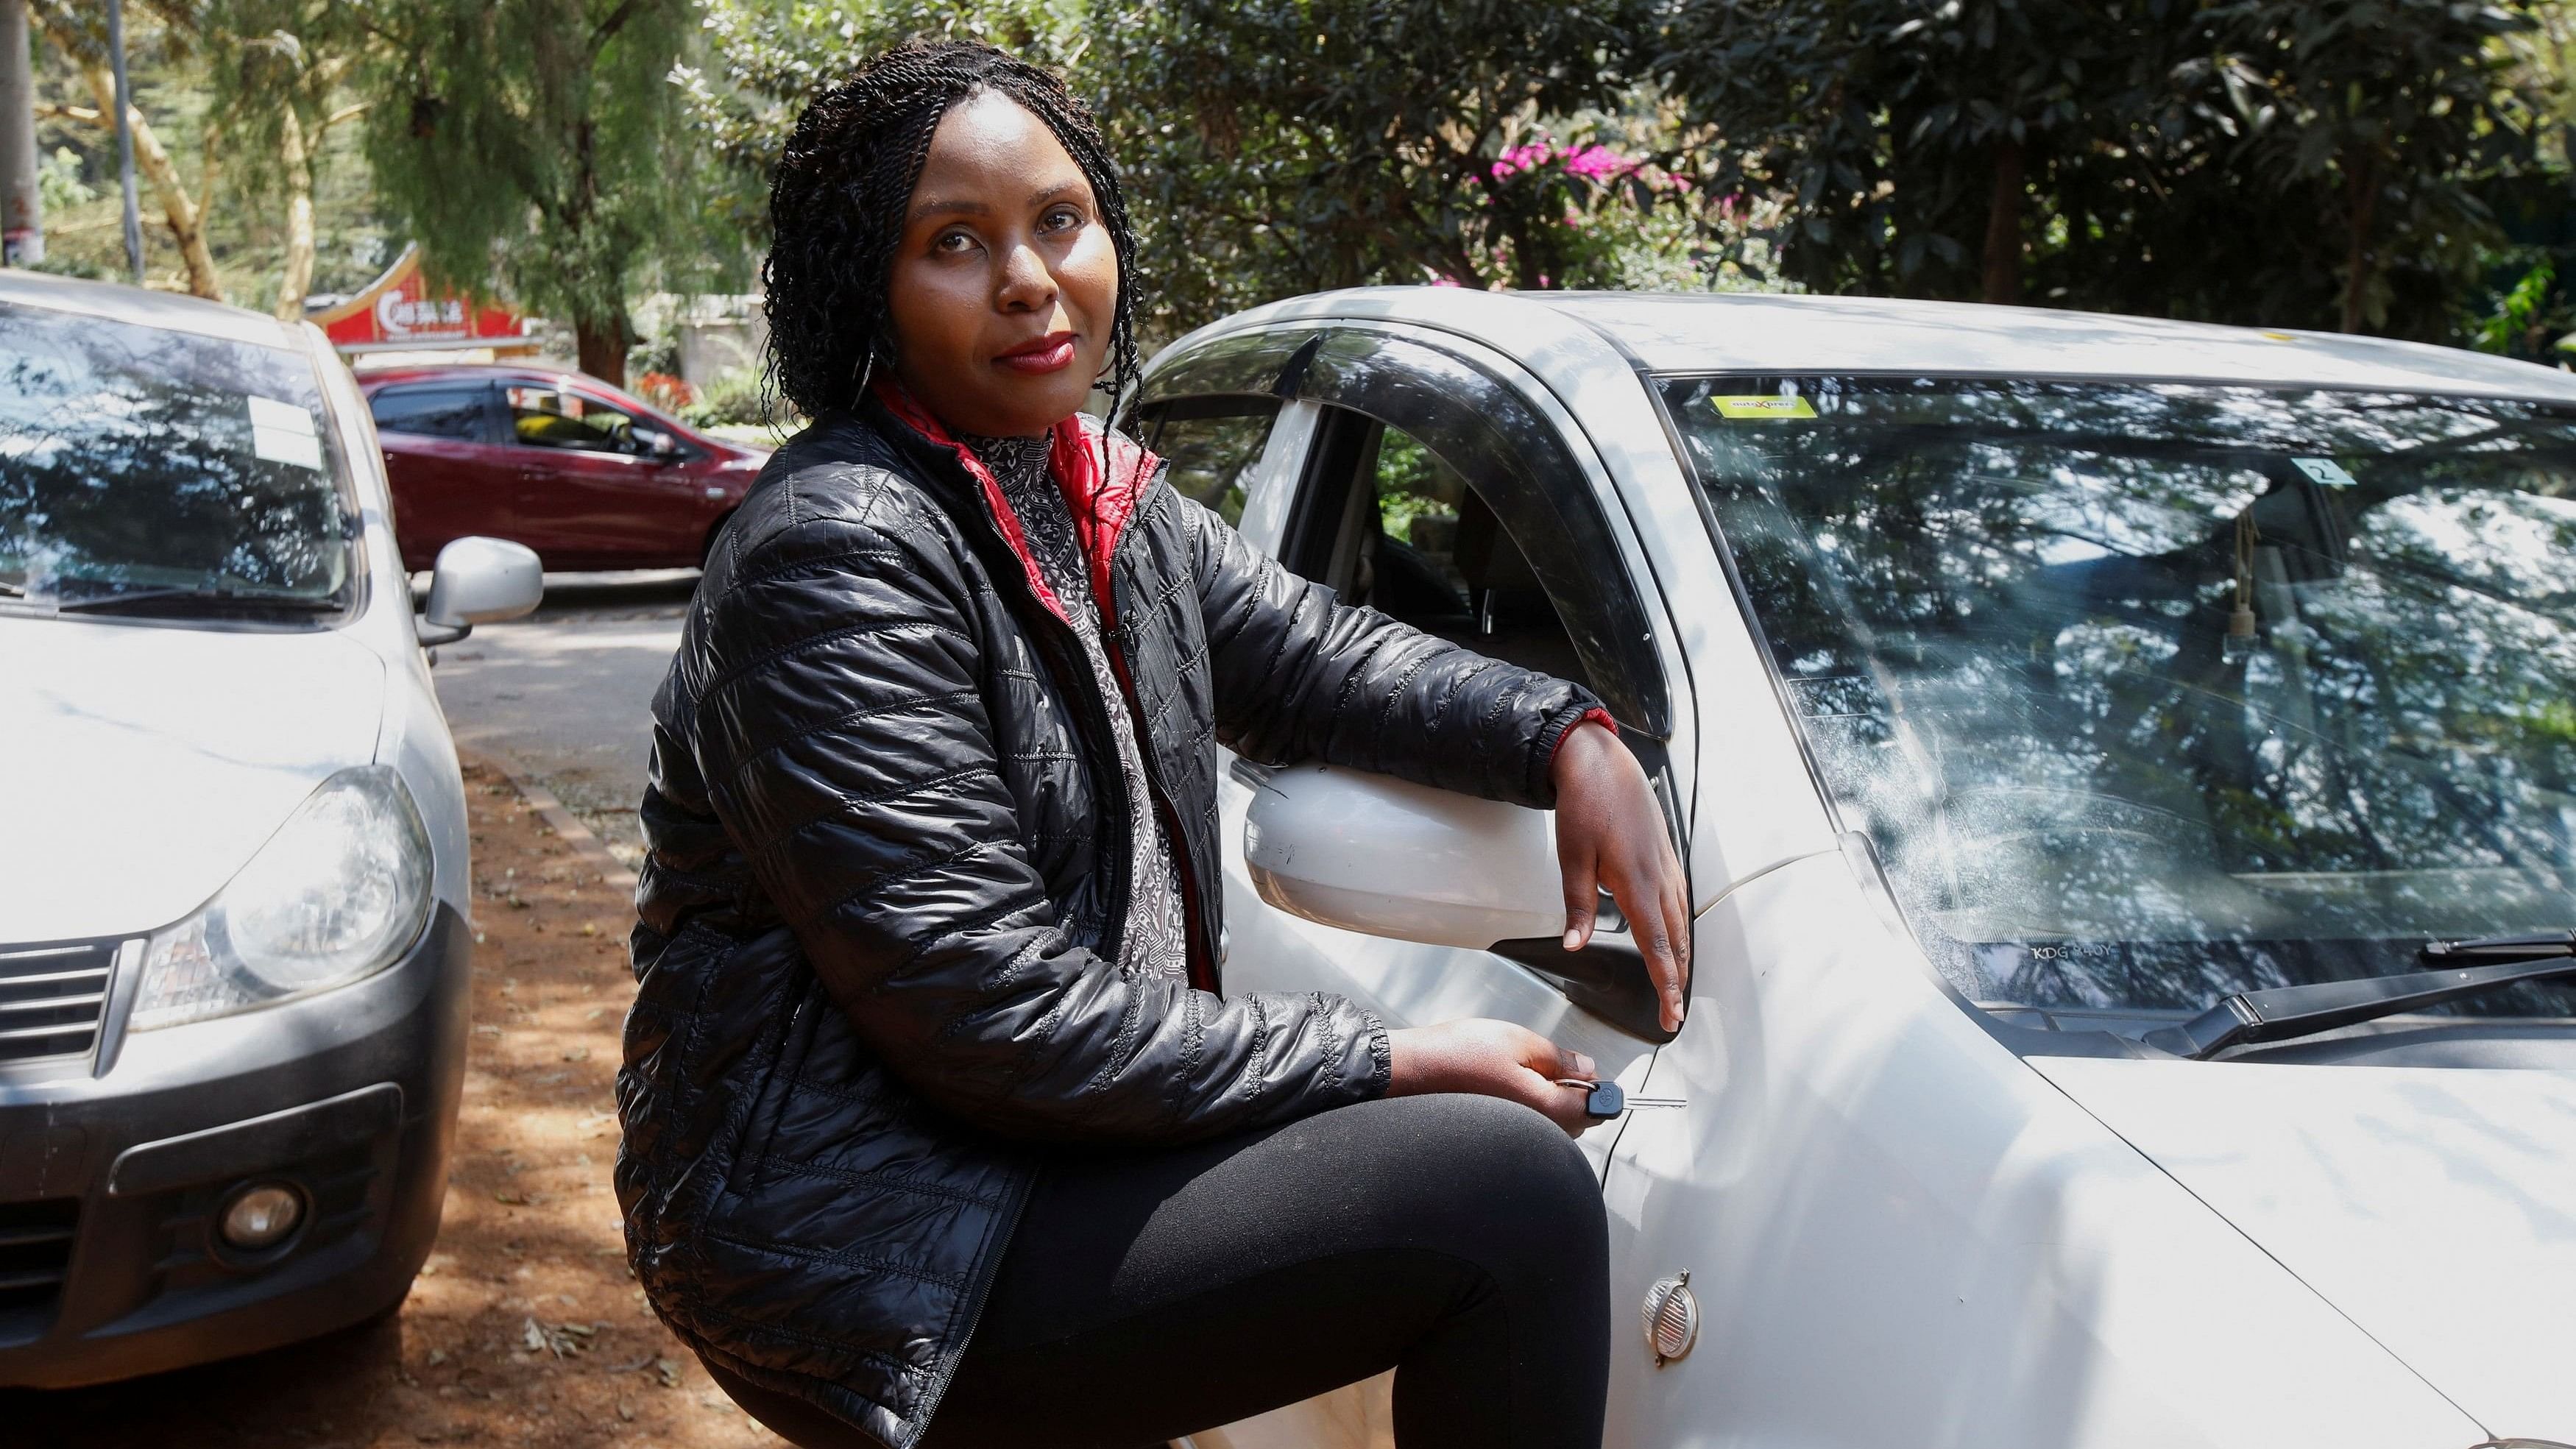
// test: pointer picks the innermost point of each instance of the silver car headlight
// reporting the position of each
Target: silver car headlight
(336, 895)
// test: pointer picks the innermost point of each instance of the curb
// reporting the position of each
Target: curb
(566, 825)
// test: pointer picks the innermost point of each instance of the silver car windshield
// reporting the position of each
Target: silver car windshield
(152, 472)
(2150, 693)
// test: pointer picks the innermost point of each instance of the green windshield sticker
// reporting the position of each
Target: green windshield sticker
(1762, 405)
(2324, 472)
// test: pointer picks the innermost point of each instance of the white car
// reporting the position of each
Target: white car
(233, 885)
(2058, 714)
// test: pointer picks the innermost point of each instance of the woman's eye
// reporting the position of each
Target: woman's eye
(952, 241)
(1062, 218)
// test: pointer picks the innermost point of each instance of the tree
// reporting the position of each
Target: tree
(2292, 162)
(1283, 146)
(767, 56)
(1289, 146)
(80, 33)
(277, 68)
(2381, 116)
(1905, 144)
(541, 142)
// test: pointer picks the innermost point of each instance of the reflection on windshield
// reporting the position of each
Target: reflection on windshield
(2146, 694)
(163, 471)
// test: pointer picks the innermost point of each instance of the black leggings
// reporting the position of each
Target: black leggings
(1151, 1294)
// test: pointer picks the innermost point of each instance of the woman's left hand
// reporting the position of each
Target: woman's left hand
(1610, 835)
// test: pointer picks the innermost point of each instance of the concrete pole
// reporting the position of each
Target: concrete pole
(125, 137)
(22, 211)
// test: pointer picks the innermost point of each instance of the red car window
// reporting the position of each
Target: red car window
(551, 417)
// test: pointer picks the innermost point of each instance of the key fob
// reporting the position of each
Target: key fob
(1601, 1099)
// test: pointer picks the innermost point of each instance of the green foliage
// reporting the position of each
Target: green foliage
(2521, 314)
(1284, 146)
(1293, 145)
(58, 181)
(2290, 162)
(540, 143)
(730, 399)
(170, 61)
(766, 56)
(266, 61)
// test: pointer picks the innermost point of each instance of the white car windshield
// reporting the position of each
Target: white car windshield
(151, 472)
(2149, 693)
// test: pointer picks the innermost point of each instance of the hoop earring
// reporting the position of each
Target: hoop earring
(859, 376)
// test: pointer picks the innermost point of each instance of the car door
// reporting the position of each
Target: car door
(1428, 486)
(593, 491)
(449, 474)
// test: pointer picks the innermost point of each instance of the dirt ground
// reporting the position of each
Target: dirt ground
(524, 1328)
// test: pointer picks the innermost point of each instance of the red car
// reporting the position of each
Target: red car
(584, 474)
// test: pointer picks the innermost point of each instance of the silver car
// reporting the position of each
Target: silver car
(233, 885)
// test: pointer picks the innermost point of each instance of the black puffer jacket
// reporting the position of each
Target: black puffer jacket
(880, 776)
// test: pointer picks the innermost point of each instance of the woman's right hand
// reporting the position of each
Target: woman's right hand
(1490, 1059)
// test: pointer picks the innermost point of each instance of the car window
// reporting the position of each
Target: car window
(1420, 543)
(145, 471)
(431, 412)
(1558, 595)
(553, 417)
(2149, 693)
(1211, 445)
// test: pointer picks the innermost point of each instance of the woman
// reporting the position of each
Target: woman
(937, 1128)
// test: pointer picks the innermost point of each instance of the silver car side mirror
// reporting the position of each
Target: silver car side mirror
(479, 581)
(1386, 857)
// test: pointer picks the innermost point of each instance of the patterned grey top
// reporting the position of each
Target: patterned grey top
(1157, 940)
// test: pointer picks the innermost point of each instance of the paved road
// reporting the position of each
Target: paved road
(566, 693)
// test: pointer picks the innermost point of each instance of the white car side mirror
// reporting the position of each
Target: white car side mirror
(1381, 856)
(1386, 858)
(479, 581)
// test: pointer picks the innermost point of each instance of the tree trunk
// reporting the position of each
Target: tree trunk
(2003, 225)
(601, 348)
(2360, 199)
(186, 224)
(297, 162)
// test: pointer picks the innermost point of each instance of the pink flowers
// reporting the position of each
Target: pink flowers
(1524, 158)
(1590, 163)
(1598, 163)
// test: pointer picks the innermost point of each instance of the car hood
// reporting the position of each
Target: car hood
(2434, 1207)
(143, 765)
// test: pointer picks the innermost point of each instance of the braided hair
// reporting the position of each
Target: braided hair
(836, 210)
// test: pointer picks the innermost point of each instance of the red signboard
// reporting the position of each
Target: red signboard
(398, 312)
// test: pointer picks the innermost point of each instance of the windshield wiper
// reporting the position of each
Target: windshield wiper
(2283, 1012)
(211, 598)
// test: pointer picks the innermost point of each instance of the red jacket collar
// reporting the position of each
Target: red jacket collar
(1102, 487)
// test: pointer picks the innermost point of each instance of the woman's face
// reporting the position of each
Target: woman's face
(1005, 283)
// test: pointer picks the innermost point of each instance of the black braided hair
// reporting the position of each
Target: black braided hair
(836, 211)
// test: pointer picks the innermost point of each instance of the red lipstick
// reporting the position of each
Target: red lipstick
(1051, 353)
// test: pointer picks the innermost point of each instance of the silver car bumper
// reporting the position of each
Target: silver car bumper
(111, 1182)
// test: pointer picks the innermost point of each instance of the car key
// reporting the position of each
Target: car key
(1605, 1099)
